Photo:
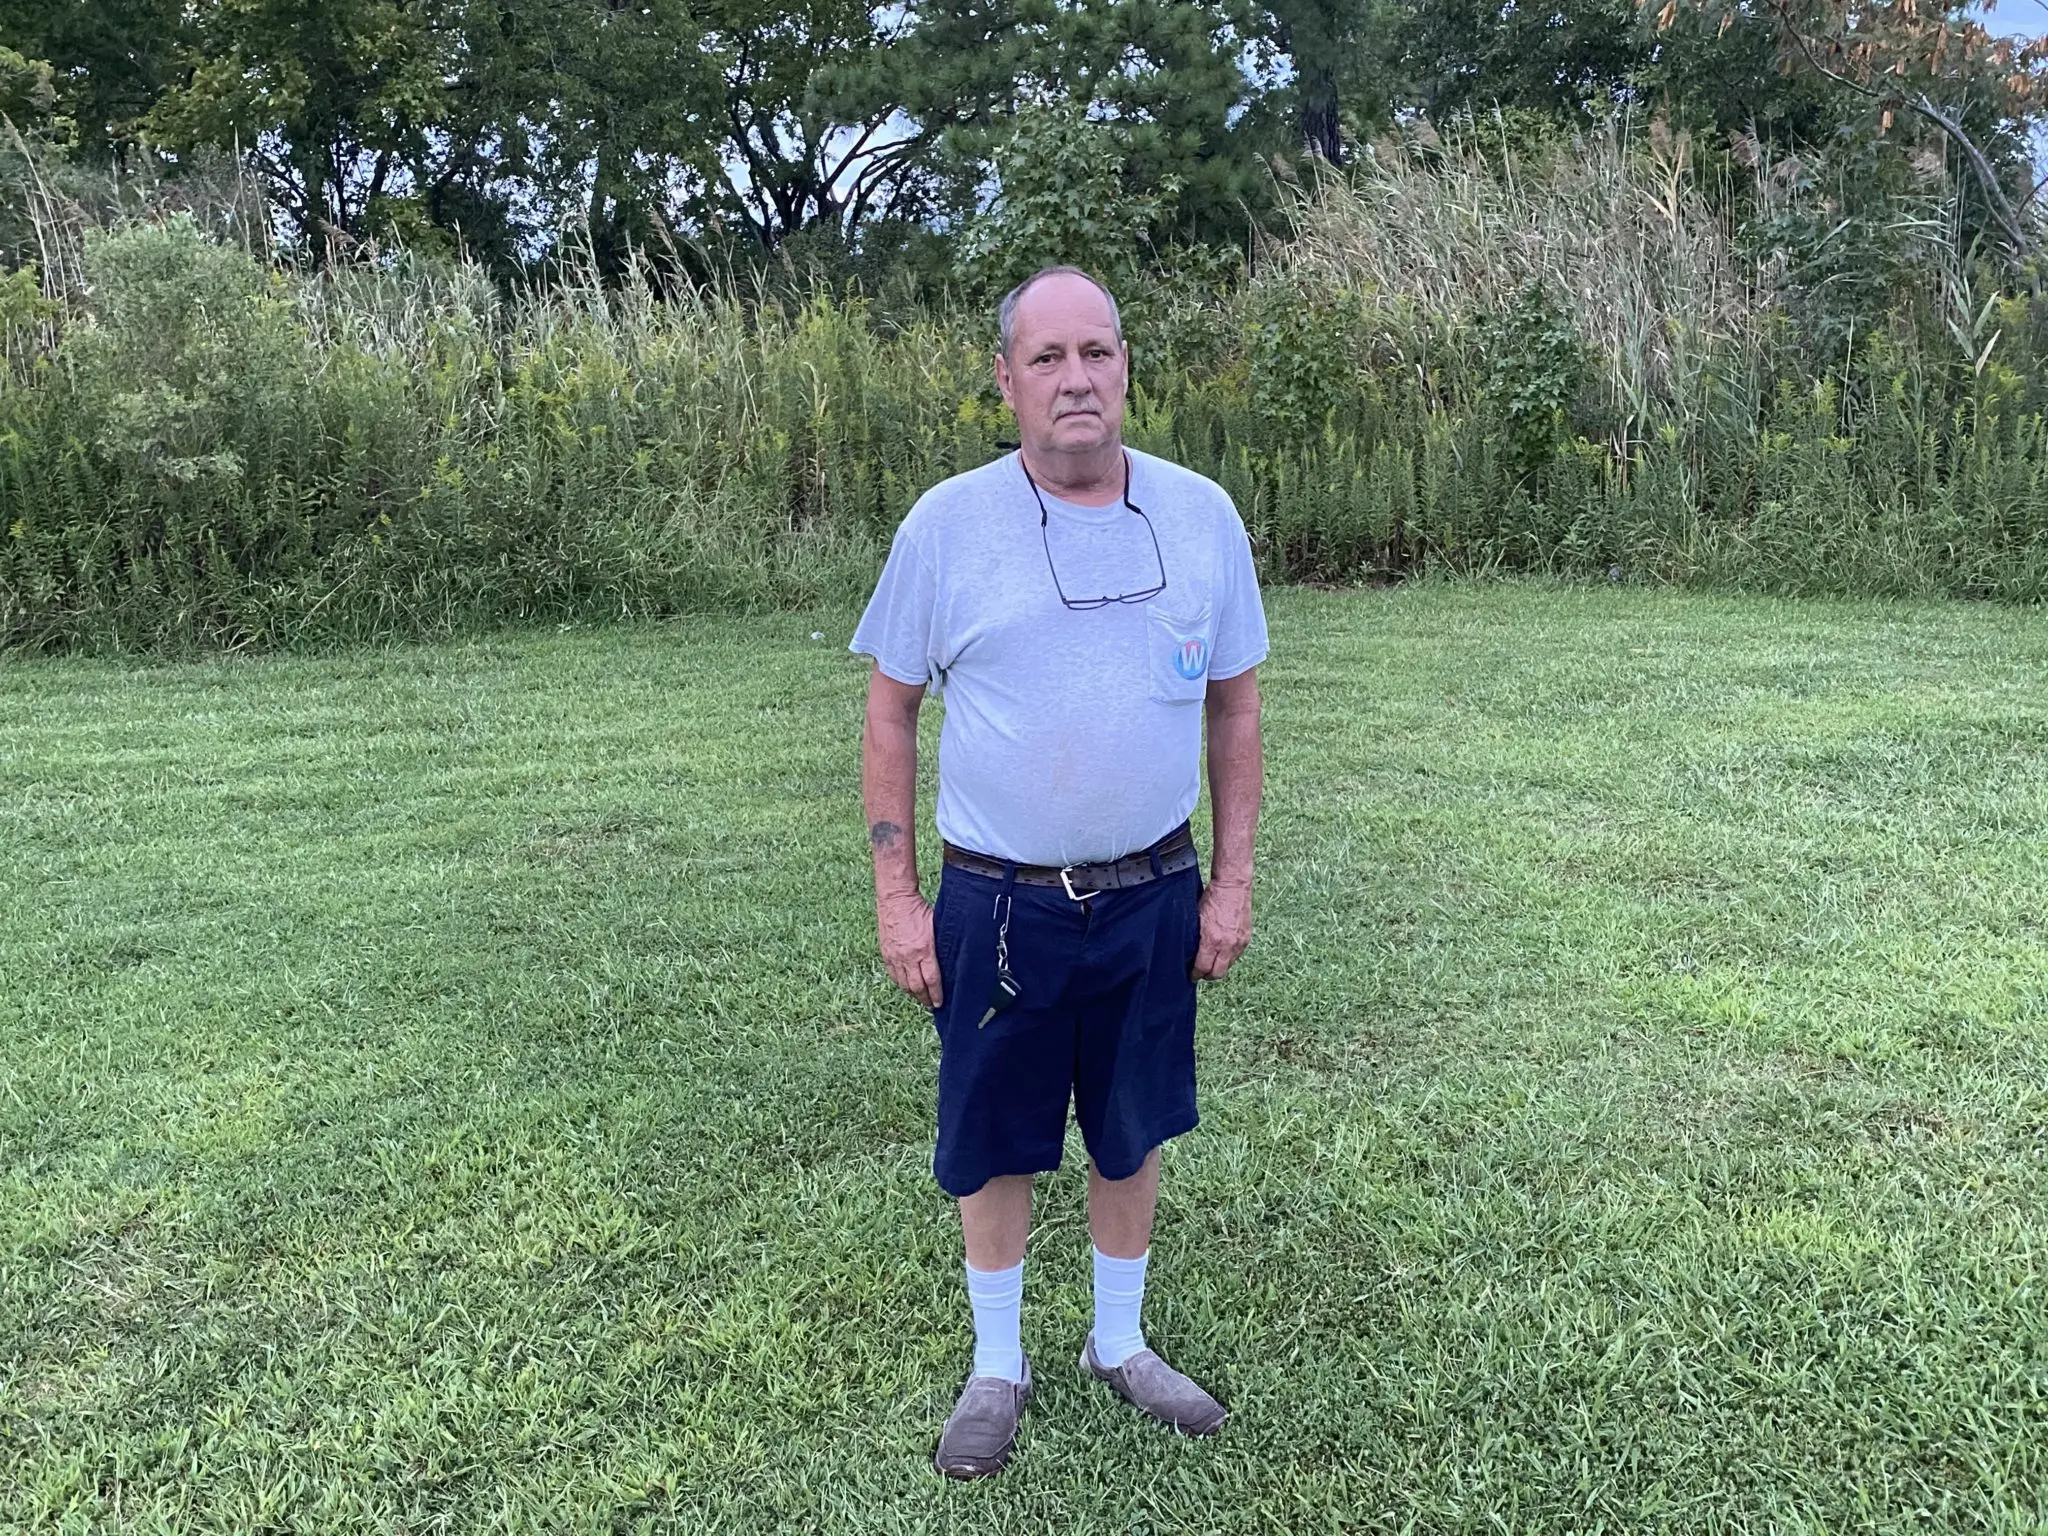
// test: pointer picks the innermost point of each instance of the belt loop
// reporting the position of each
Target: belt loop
(1158, 869)
(1009, 878)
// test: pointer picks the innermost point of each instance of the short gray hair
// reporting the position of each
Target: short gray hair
(1006, 313)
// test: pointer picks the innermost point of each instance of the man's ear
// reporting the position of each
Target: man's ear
(1003, 380)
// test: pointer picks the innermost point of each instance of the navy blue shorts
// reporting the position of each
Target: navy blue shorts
(1105, 1016)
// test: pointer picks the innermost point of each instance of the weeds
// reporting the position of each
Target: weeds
(1571, 368)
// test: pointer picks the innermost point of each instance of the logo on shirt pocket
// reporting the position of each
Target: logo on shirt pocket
(1178, 651)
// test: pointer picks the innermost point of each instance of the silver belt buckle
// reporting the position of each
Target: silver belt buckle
(1067, 880)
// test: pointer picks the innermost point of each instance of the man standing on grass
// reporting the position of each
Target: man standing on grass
(1082, 609)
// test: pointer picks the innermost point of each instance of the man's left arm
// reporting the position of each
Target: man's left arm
(1237, 773)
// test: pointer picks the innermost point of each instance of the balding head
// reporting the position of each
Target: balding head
(1006, 313)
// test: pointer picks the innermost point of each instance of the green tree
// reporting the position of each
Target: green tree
(510, 121)
(338, 105)
(706, 117)
(800, 150)
(1332, 59)
(28, 92)
(1060, 199)
(1577, 62)
(601, 116)
(1924, 74)
(111, 59)
(1169, 77)
(1569, 60)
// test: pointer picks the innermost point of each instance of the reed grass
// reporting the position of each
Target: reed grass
(1580, 367)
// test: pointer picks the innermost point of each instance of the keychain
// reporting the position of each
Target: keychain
(1006, 991)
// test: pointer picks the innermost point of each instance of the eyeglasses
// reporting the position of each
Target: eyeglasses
(1079, 604)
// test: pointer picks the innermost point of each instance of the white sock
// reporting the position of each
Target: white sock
(1119, 1293)
(997, 1296)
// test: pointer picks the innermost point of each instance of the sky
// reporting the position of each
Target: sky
(2022, 18)
(2018, 18)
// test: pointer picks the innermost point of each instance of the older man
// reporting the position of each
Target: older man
(1082, 609)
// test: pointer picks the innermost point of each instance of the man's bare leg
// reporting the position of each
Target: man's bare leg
(1120, 1220)
(996, 1221)
(1120, 1210)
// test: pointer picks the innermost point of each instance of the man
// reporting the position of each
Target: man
(1082, 609)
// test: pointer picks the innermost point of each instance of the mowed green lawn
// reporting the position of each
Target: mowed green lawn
(455, 1089)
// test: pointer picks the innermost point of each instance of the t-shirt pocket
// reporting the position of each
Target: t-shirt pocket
(1179, 651)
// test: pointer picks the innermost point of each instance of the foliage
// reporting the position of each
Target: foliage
(803, 165)
(533, 134)
(22, 305)
(1439, 232)
(1534, 372)
(672, 127)
(1168, 78)
(508, 125)
(191, 352)
(1569, 367)
(1301, 367)
(1326, 46)
(334, 104)
(1922, 74)
(672, 122)
(216, 456)
(1566, 60)
(1060, 197)
(111, 61)
(28, 93)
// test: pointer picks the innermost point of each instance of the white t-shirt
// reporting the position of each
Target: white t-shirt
(1071, 734)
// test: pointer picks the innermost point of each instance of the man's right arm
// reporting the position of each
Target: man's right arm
(888, 778)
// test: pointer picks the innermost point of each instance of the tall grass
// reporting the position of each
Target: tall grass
(1624, 246)
(1589, 367)
(1577, 368)
(222, 455)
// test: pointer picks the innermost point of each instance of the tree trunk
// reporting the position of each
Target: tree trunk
(1320, 132)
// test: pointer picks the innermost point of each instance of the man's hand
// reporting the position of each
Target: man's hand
(1226, 929)
(904, 924)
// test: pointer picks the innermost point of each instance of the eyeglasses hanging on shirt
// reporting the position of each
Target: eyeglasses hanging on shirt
(1079, 604)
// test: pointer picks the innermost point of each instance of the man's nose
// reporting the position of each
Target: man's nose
(1074, 379)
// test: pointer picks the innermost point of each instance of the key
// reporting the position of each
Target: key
(1005, 992)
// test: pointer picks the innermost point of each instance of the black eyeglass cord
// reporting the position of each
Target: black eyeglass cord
(1083, 604)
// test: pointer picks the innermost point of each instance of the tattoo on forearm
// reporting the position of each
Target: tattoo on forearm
(885, 834)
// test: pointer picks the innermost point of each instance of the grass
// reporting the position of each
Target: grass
(1452, 364)
(454, 1089)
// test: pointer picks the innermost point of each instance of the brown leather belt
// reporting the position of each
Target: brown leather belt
(1176, 852)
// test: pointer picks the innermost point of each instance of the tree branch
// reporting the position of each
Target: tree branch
(1980, 164)
(1922, 105)
(859, 147)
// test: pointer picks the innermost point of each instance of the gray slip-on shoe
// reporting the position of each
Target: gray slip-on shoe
(1149, 1383)
(983, 1428)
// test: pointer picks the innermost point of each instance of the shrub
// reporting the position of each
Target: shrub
(1449, 368)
